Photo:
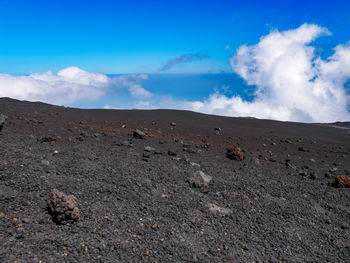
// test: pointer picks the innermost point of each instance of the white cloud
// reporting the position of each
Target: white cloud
(132, 83)
(292, 82)
(68, 85)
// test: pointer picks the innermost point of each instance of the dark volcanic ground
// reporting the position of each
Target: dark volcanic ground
(138, 206)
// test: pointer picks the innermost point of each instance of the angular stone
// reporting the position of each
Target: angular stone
(138, 134)
(200, 179)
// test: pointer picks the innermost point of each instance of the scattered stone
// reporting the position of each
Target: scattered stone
(161, 142)
(84, 134)
(173, 124)
(124, 126)
(217, 131)
(45, 162)
(149, 149)
(200, 180)
(340, 181)
(333, 169)
(98, 135)
(302, 172)
(302, 149)
(3, 119)
(195, 164)
(234, 153)
(312, 160)
(290, 165)
(217, 209)
(171, 153)
(138, 134)
(189, 150)
(146, 155)
(63, 208)
(313, 176)
(82, 122)
(50, 140)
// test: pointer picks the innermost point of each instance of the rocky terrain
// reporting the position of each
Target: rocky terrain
(170, 186)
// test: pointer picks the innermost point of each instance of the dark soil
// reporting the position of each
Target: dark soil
(138, 204)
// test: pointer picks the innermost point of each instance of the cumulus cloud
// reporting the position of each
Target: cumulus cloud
(133, 84)
(68, 85)
(293, 84)
(183, 59)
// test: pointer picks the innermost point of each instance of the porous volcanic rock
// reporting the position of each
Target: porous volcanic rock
(340, 181)
(234, 153)
(63, 208)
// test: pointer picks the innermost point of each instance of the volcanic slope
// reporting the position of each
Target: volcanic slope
(144, 199)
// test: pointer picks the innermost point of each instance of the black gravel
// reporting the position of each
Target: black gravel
(138, 206)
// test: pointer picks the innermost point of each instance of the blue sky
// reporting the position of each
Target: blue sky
(284, 60)
(142, 36)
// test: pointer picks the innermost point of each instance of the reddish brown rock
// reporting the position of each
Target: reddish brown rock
(340, 182)
(63, 208)
(234, 153)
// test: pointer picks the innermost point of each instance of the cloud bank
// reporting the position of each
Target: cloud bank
(67, 86)
(293, 84)
(183, 59)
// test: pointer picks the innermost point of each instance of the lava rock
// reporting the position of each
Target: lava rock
(138, 134)
(340, 181)
(50, 140)
(149, 149)
(84, 134)
(171, 153)
(98, 135)
(45, 162)
(63, 208)
(189, 150)
(200, 180)
(3, 118)
(234, 153)
(302, 149)
(217, 209)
